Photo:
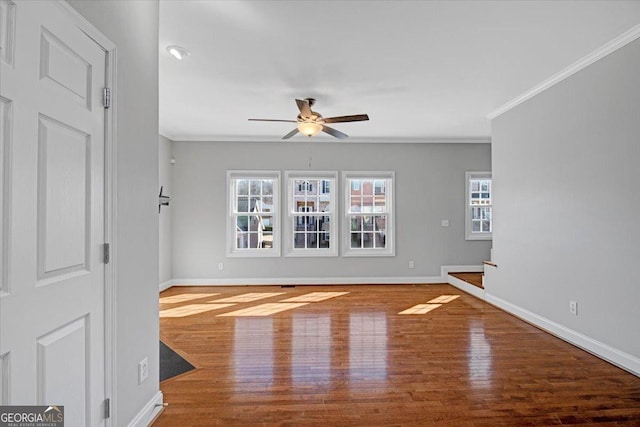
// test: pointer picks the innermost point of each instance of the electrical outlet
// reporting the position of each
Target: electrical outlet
(143, 370)
(573, 308)
(220, 266)
(444, 223)
(412, 264)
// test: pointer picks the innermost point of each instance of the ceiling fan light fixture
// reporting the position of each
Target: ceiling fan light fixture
(310, 122)
(178, 52)
(309, 128)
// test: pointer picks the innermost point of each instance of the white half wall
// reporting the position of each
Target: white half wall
(429, 187)
(566, 203)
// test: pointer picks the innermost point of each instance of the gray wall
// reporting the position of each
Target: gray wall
(429, 187)
(133, 27)
(165, 174)
(567, 203)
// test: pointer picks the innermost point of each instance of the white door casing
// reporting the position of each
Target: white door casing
(52, 181)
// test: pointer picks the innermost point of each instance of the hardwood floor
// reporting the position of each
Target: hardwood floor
(352, 360)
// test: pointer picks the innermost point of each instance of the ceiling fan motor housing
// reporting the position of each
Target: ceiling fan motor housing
(315, 117)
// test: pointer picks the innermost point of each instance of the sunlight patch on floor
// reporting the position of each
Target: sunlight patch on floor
(315, 297)
(431, 305)
(253, 296)
(264, 309)
(420, 309)
(191, 309)
(185, 297)
(443, 299)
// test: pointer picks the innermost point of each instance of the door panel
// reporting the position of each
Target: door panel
(4, 379)
(64, 69)
(53, 127)
(62, 362)
(7, 30)
(5, 186)
(64, 196)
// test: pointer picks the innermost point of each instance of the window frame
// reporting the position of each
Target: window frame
(469, 235)
(292, 213)
(232, 177)
(389, 178)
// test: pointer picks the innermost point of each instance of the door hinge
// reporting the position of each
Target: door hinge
(107, 253)
(106, 97)
(107, 408)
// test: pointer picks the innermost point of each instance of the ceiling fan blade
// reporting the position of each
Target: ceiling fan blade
(290, 134)
(341, 119)
(305, 108)
(272, 120)
(334, 132)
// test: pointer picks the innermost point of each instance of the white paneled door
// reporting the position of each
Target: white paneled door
(52, 145)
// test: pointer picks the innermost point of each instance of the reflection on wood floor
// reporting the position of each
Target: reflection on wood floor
(375, 356)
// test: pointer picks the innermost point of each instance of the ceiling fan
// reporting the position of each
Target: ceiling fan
(311, 123)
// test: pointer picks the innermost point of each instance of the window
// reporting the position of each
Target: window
(253, 222)
(326, 186)
(304, 186)
(368, 214)
(479, 215)
(311, 215)
(379, 187)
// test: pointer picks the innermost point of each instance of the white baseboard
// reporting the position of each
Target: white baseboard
(270, 281)
(617, 357)
(310, 281)
(466, 287)
(149, 412)
(166, 285)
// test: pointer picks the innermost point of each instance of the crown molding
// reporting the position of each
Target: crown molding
(352, 140)
(612, 46)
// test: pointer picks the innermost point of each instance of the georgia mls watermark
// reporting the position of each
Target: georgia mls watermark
(31, 416)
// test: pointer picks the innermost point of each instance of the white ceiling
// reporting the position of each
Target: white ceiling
(422, 70)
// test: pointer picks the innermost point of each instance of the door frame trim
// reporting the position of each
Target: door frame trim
(110, 217)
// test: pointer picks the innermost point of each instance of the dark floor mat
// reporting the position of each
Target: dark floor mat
(171, 363)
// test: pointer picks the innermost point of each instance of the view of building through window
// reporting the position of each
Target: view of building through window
(311, 214)
(480, 201)
(367, 213)
(253, 212)
(479, 206)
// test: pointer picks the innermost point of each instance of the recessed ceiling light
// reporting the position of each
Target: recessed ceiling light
(178, 52)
